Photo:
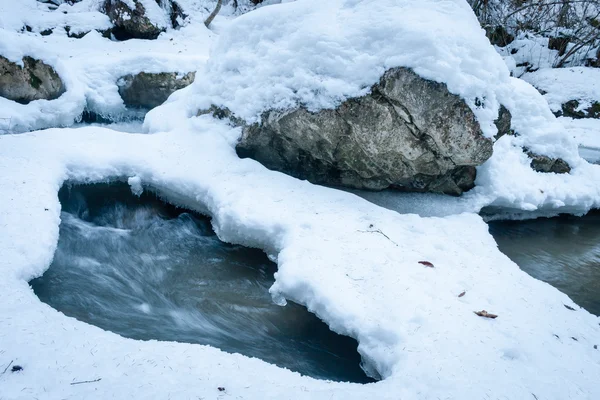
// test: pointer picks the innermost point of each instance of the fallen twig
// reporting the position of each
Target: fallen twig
(485, 314)
(80, 382)
(381, 233)
(9, 364)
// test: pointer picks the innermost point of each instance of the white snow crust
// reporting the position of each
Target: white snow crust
(411, 325)
(91, 66)
(564, 84)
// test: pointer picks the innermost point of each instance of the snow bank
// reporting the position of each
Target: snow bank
(585, 131)
(352, 263)
(90, 66)
(317, 54)
(564, 84)
(80, 17)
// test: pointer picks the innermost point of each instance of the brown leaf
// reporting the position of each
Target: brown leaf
(462, 294)
(485, 314)
(426, 263)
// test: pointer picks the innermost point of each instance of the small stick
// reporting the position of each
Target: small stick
(9, 364)
(79, 383)
(381, 233)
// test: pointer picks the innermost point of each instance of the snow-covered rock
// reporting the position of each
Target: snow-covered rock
(407, 133)
(29, 80)
(547, 164)
(571, 92)
(148, 90)
(140, 19)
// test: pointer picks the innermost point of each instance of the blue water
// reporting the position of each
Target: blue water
(147, 270)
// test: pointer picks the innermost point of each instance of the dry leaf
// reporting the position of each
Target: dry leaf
(462, 294)
(485, 314)
(426, 263)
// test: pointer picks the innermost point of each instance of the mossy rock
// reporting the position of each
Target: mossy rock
(35, 80)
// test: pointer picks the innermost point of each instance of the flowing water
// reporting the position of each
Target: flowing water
(563, 251)
(147, 270)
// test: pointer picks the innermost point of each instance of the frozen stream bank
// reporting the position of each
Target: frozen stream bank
(147, 270)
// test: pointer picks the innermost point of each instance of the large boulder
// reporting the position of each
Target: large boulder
(34, 80)
(409, 133)
(148, 90)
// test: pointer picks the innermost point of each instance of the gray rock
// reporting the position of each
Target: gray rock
(546, 164)
(409, 133)
(35, 80)
(571, 109)
(503, 123)
(147, 90)
(128, 23)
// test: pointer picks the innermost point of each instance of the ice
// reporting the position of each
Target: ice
(135, 182)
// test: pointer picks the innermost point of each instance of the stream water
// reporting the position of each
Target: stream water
(562, 251)
(147, 270)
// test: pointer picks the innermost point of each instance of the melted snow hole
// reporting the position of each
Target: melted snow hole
(147, 270)
(562, 251)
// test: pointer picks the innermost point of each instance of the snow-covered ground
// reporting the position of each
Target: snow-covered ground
(91, 66)
(565, 84)
(333, 256)
(351, 262)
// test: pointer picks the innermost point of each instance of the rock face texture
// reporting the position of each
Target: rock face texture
(147, 90)
(130, 23)
(503, 123)
(409, 133)
(34, 80)
(546, 164)
(571, 109)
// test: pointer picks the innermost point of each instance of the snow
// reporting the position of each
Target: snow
(353, 263)
(318, 54)
(528, 52)
(415, 332)
(90, 68)
(302, 54)
(564, 84)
